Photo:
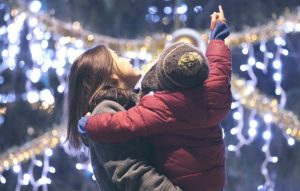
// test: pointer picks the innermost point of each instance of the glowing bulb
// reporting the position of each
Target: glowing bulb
(198, 9)
(277, 77)
(93, 177)
(274, 159)
(270, 55)
(32, 22)
(278, 91)
(26, 176)
(2, 179)
(52, 169)
(243, 67)
(252, 132)
(245, 50)
(262, 47)
(49, 152)
(268, 118)
(152, 10)
(251, 61)
(231, 148)
(167, 10)
(35, 6)
(277, 64)
(33, 97)
(260, 65)
(234, 131)
(264, 148)
(79, 166)
(285, 52)
(253, 123)
(182, 9)
(46, 95)
(291, 141)
(60, 88)
(267, 135)
(34, 75)
(279, 41)
(38, 163)
(17, 168)
(237, 115)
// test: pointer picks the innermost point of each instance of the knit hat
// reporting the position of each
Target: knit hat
(179, 66)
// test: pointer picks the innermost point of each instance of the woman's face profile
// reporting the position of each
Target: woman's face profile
(125, 71)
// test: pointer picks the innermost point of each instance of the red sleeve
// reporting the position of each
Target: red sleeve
(217, 86)
(151, 116)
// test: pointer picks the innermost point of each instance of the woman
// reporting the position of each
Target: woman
(101, 81)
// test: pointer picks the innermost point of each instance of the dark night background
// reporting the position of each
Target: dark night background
(131, 19)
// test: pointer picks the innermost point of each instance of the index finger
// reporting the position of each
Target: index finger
(221, 10)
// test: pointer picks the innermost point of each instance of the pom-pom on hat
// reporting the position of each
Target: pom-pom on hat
(179, 66)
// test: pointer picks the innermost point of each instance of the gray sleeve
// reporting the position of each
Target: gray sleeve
(132, 174)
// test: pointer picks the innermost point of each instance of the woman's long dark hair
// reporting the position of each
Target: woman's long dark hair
(90, 82)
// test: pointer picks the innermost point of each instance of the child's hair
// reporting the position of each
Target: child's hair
(90, 82)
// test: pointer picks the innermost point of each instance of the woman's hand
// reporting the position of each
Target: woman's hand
(81, 125)
(217, 16)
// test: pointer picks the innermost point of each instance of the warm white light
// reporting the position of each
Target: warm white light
(279, 41)
(35, 6)
(277, 77)
(34, 75)
(32, 22)
(285, 52)
(231, 148)
(2, 180)
(79, 166)
(274, 159)
(268, 118)
(245, 50)
(291, 141)
(278, 91)
(182, 9)
(243, 67)
(267, 135)
(237, 115)
(260, 65)
(49, 152)
(17, 168)
(251, 61)
(234, 131)
(277, 64)
(38, 163)
(33, 97)
(252, 132)
(52, 169)
(253, 123)
(46, 95)
(60, 88)
(262, 47)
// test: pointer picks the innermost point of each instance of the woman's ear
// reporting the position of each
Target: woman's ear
(115, 80)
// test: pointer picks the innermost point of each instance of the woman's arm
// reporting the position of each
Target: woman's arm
(129, 173)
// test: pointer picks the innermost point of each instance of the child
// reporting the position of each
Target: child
(182, 117)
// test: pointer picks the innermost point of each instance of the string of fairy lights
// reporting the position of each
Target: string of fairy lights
(72, 40)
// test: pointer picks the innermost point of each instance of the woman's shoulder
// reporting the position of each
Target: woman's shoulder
(107, 106)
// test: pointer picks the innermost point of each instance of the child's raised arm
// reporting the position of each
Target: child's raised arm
(217, 85)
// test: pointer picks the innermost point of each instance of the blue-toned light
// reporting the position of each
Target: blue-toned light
(167, 10)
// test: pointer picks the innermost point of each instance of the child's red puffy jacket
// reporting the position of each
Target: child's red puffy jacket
(183, 126)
